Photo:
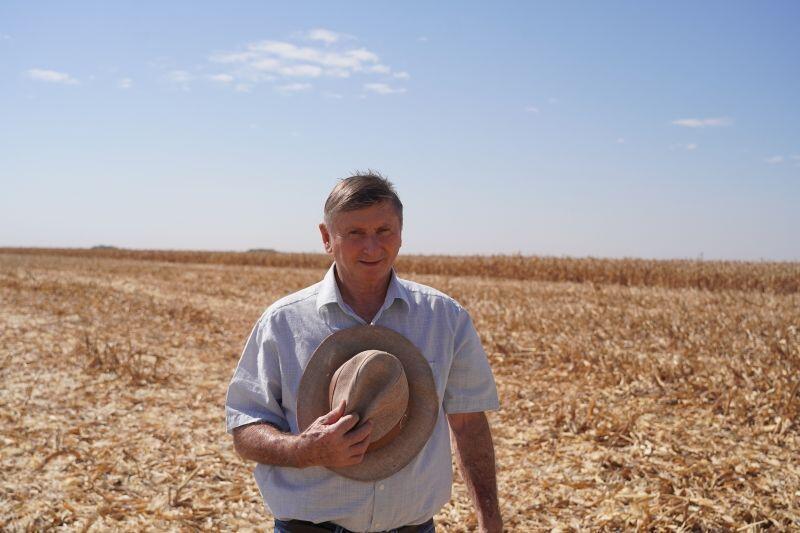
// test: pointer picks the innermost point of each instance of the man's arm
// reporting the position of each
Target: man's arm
(328, 441)
(472, 440)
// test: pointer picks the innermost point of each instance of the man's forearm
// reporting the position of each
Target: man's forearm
(329, 441)
(475, 457)
(264, 443)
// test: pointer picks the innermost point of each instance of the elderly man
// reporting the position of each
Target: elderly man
(297, 467)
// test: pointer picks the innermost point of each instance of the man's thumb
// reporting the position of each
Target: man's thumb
(335, 414)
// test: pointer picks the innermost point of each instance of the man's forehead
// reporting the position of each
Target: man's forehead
(376, 214)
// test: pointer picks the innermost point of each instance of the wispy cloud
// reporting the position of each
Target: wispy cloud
(179, 76)
(221, 78)
(531, 109)
(703, 122)
(5, 37)
(422, 39)
(621, 140)
(332, 56)
(124, 83)
(180, 79)
(51, 76)
(690, 147)
(379, 69)
(775, 160)
(325, 36)
(383, 88)
(294, 87)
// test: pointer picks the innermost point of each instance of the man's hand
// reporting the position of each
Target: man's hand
(329, 441)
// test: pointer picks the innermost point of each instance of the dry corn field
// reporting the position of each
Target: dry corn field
(662, 397)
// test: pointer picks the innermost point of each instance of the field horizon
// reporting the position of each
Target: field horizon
(781, 277)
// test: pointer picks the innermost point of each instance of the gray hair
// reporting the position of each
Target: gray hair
(359, 191)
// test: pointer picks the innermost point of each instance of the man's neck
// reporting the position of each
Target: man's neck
(365, 299)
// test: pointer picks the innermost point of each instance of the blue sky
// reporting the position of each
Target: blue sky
(667, 130)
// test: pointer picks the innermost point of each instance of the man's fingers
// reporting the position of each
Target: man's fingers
(359, 434)
(334, 415)
(356, 458)
(346, 423)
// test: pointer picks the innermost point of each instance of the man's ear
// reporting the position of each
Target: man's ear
(326, 238)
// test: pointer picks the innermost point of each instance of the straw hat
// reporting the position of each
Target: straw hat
(384, 378)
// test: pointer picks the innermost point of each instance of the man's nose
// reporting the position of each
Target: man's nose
(371, 244)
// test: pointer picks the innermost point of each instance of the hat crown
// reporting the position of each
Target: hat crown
(373, 384)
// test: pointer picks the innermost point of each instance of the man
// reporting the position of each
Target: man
(362, 232)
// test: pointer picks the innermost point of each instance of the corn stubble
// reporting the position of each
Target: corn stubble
(666, 401)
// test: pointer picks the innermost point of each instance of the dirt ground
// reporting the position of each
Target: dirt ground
(623, 408)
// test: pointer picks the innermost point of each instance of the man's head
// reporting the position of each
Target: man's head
(360, 191)
(362, 228)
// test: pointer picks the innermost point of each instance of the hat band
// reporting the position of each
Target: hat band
(390, 435)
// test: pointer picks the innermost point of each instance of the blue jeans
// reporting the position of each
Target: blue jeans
(284, 526)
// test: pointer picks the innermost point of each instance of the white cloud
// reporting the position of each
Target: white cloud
(687, 146)
(5, 37)
(243, 87)
(531, 109)
(269, 64)
(775, 159)
(382, 88)
(702, 122)
(332, 96)
(294, 87)
(323, 35)
(552, 100)
(379, 69)
(180, 79)
(621, 140)
(318, 53)
(179, 76)
(125, 83)
(308, 71)
(221, 78)
(363, 55)
(422, 39)
(239, 57)
(51, 76)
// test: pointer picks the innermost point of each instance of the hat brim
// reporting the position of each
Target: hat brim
(423, 409)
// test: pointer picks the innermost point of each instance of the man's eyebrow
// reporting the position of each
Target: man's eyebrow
(352, 227)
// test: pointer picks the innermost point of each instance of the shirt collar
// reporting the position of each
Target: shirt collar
(329, 292)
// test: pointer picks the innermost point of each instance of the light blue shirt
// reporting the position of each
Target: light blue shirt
(265, 388)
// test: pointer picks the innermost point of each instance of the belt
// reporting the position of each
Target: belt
(301, 526)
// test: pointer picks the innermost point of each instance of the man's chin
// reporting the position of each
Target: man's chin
(373, 265)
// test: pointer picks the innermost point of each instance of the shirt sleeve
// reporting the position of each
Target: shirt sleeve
(470, 385)
(254, 393)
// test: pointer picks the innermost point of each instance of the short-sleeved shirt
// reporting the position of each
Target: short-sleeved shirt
(265, 386)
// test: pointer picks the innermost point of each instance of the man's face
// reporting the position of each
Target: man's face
(364, 243)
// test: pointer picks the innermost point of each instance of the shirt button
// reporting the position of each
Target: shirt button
(380, 487)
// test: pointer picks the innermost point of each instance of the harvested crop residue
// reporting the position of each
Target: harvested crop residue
(622, 407)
